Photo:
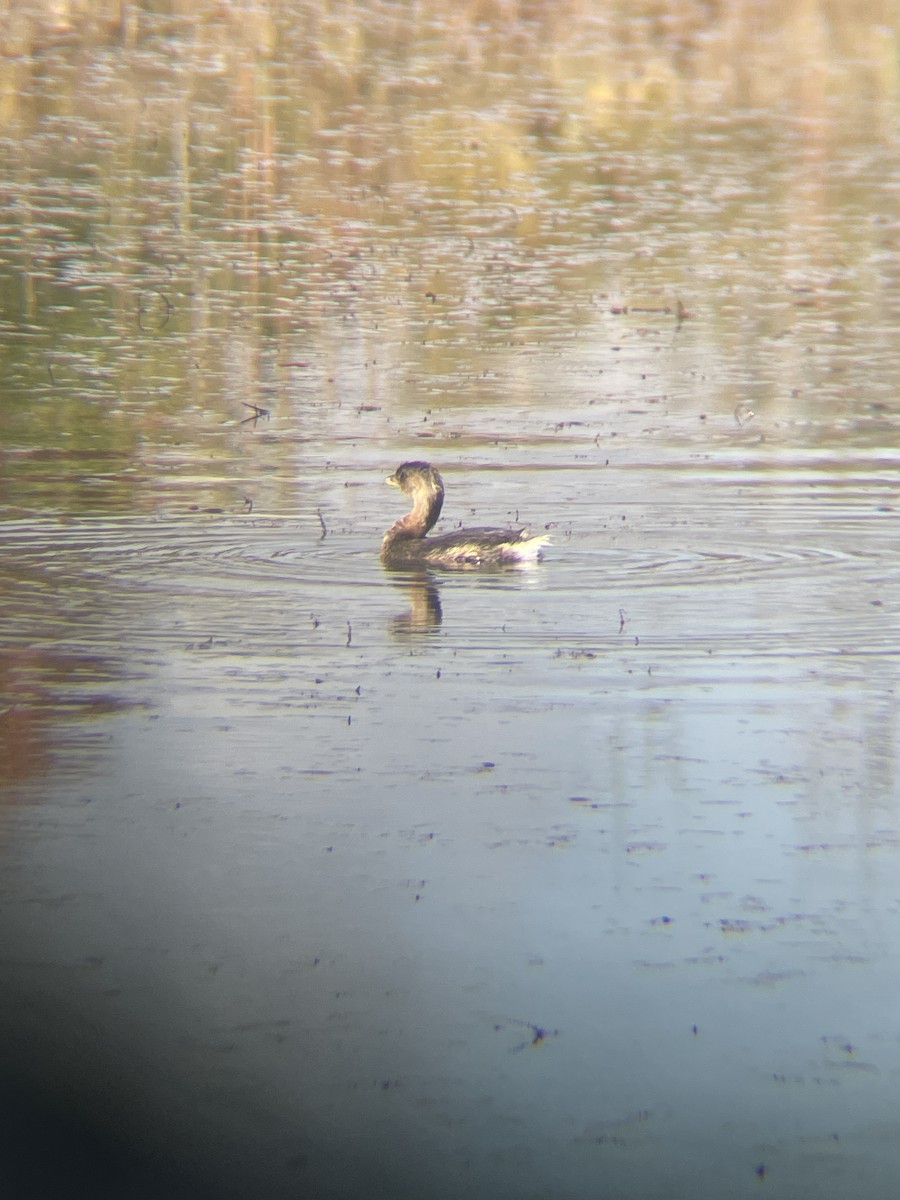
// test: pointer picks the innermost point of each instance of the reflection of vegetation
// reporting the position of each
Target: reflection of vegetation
(41, 689)
(200, 192)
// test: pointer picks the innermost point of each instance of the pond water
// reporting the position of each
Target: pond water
(565, 882)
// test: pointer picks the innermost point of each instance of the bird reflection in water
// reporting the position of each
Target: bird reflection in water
(425, 613)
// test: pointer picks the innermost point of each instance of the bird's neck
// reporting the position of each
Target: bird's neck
(425, 511)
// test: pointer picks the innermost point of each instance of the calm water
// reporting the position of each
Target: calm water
(570, 883)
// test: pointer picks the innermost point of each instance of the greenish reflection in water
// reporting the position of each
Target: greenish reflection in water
(417, 206)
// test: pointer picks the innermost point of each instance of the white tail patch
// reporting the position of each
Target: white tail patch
(529, 549)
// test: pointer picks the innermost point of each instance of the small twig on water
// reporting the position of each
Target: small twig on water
(255, 413)
(322, 523)
(622, 619)
(743, 413)
(152, 318)
(349, 633)
(539, 1034)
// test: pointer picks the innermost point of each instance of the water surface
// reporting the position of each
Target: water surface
(566, 882)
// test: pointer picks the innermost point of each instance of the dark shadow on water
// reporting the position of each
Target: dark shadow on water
(85, 1115)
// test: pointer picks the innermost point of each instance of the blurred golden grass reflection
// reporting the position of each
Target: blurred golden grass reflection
(564, 61)
(191, 182)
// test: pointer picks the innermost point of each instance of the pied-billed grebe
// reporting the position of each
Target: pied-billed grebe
(405, 543)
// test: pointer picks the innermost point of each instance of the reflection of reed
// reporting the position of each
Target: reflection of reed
(393, 193)
(44, 693)
(425, 604)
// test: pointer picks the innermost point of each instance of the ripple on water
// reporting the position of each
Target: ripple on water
(766, 592)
